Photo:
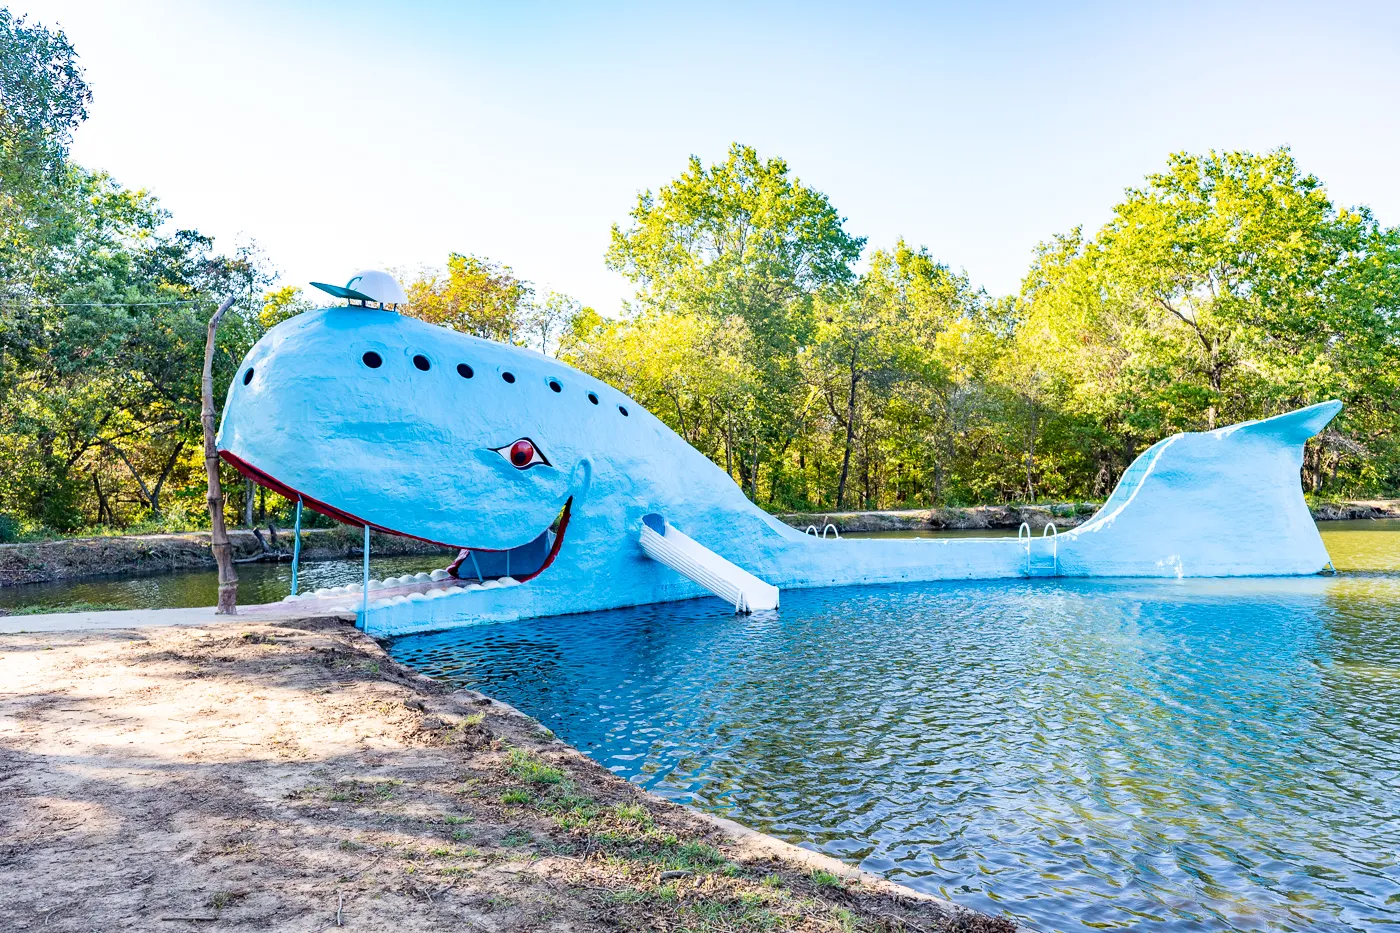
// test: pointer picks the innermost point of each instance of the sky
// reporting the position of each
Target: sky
(340, 136)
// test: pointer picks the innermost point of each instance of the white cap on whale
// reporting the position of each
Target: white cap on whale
(370, 287)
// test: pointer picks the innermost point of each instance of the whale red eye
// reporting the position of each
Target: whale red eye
(522, 454)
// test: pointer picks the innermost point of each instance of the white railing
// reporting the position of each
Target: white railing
(1024, 534)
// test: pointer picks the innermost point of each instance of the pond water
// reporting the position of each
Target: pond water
(257, 583)
(1079, 754)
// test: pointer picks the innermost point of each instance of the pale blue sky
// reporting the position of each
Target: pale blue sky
(387, 134)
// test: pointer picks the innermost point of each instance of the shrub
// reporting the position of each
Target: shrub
(9, 529)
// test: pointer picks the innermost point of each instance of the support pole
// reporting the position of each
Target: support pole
(364, 593)
(296, 547)
(218, 533)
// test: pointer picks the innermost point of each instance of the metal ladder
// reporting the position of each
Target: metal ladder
(1037, 565)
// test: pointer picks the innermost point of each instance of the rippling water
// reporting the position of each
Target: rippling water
(1214, 755)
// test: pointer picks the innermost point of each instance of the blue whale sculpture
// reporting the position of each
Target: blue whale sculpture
(542, 476)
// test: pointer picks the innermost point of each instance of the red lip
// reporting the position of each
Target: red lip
(340, 515)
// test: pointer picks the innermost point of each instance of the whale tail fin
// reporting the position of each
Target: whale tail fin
(1294, 427)
(1226, 502)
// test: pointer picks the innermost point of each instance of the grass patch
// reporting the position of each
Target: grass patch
(363, 791)
(517, 837)
(475, 719)
(530, 769)
(75, 607)
(825, 879)
(516, 795)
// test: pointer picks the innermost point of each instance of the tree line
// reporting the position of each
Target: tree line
(820, 372)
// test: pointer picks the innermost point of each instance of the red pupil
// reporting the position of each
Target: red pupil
(521, 453)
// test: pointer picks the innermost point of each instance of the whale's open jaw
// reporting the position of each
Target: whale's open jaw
(521, 563)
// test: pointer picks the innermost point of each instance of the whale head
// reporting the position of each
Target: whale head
(375, 418)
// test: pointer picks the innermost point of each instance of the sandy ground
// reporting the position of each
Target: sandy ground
(289, 776)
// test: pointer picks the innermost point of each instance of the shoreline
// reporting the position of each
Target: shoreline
(141, 555)
(84, 558)
(1065, 515)
(290, 774)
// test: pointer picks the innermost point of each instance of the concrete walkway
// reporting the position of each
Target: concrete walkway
(152, 618)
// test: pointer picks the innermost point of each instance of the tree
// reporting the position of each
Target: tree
(1228, 287)
(282, 303)
(475, 296)
(542, 324)
(742, 239)
(43, 98)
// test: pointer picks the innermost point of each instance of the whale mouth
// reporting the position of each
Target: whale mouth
(472, 565)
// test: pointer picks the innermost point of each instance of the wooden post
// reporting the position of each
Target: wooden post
(218, 534)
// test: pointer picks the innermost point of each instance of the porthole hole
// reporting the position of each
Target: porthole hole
(555, 386)
(508, 377)
(422, 363)
(373, 360)
(464, 371)
(248, 376)
(593, 398)
(623, 410)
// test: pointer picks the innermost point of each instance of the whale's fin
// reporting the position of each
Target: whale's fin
(1294, 427)
(1226, 502)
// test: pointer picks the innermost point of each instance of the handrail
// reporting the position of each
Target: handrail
(810, 530)
(1054, 535)
(1024, 533)
(836, 531)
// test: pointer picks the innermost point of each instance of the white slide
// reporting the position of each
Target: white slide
(694, 561)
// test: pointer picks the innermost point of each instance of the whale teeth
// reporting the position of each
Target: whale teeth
(509, 581)
(421, 576)
(376, 584)
(439, 574)
(417, 597)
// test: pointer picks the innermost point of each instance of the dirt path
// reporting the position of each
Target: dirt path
(289, 776)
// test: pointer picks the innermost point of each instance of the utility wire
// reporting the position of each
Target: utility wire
(110, 304)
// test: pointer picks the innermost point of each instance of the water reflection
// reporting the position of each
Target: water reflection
(257, 583)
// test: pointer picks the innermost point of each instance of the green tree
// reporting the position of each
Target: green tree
(1228, 287)
(474, 295)
(279, 304)
(43, 98)
(743, 240)
(543, 324)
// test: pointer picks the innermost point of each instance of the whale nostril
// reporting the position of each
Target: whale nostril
(248, 376)
(372, 360)
(508, 377)
(422, 363)
(593, 398)
(623, 410)
(464, 371)
(555, 386)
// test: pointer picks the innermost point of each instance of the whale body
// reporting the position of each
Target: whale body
(378, 419)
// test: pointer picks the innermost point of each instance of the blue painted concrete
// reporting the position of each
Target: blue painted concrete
(425, 452)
